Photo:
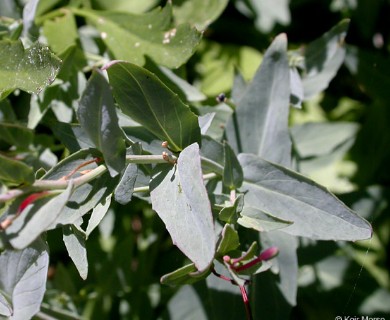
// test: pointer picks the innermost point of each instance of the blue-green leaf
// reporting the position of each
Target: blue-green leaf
(180, 198)
(98, 117)
(314, 211)
(260, 122)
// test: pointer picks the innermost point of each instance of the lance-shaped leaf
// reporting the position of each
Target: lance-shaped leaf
(314, 211)
(323, 57)
(143, 97)
(261, 221)
(260, 122)
(131, 37)
(21, 232)
(23, 279)
(97, 115)
(74, 240)
(232, 171)
(30, 70)
(180, 198)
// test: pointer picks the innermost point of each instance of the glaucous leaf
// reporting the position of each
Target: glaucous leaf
(185, 275)
(25, 229)
(97, 116)
(30, 70)
(124, 190)
(296, 86)
(97, 215)
(314, 211)
(23, 278)
(260, 122)
(323, 58)
(131, 37)
(260, 221)
(180, 199)
(143, 97)
(74, 240)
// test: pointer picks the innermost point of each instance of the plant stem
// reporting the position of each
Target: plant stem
(41, 185)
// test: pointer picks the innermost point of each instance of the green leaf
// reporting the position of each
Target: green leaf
(218, 64)
(61, 33)
(16, 135)
(316, 213)
(323, 58)
(131, 37)
(23, 278)
(134, 6)
(183, 275)
(229, 240)
(97, 116)
(24, 231)
(72, 136)
(15, 172)
(143, 97)
(260, 122)
(74, 240)
(30, 70)
(200, 13)
(261, 221)
(232, 171)
(230, 213)
(180, 199)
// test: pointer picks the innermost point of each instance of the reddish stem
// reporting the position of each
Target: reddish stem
(246, 303)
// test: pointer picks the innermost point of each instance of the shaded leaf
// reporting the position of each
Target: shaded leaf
(278, 288)
(131, 37)
(323, 58)
(127, 6)
(23, 278)
(232, 171)
(21, 233)
(185, 275)
(15, 172)
(16, 135)
(98, 118)
(30, 70)
(72, 136)
(316, 213)
(180, 199)
(259, 124)
(124, 190)
(296, 95)
(260, 221)
(229, 240)
(74, 240)
(143, 97)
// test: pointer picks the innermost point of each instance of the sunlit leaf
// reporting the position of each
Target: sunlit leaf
(259, 124)
(314, 211)
(179, 197)
(74, 240)
(131, 37)
(25, 280)
(143, 97)
(30, 70)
